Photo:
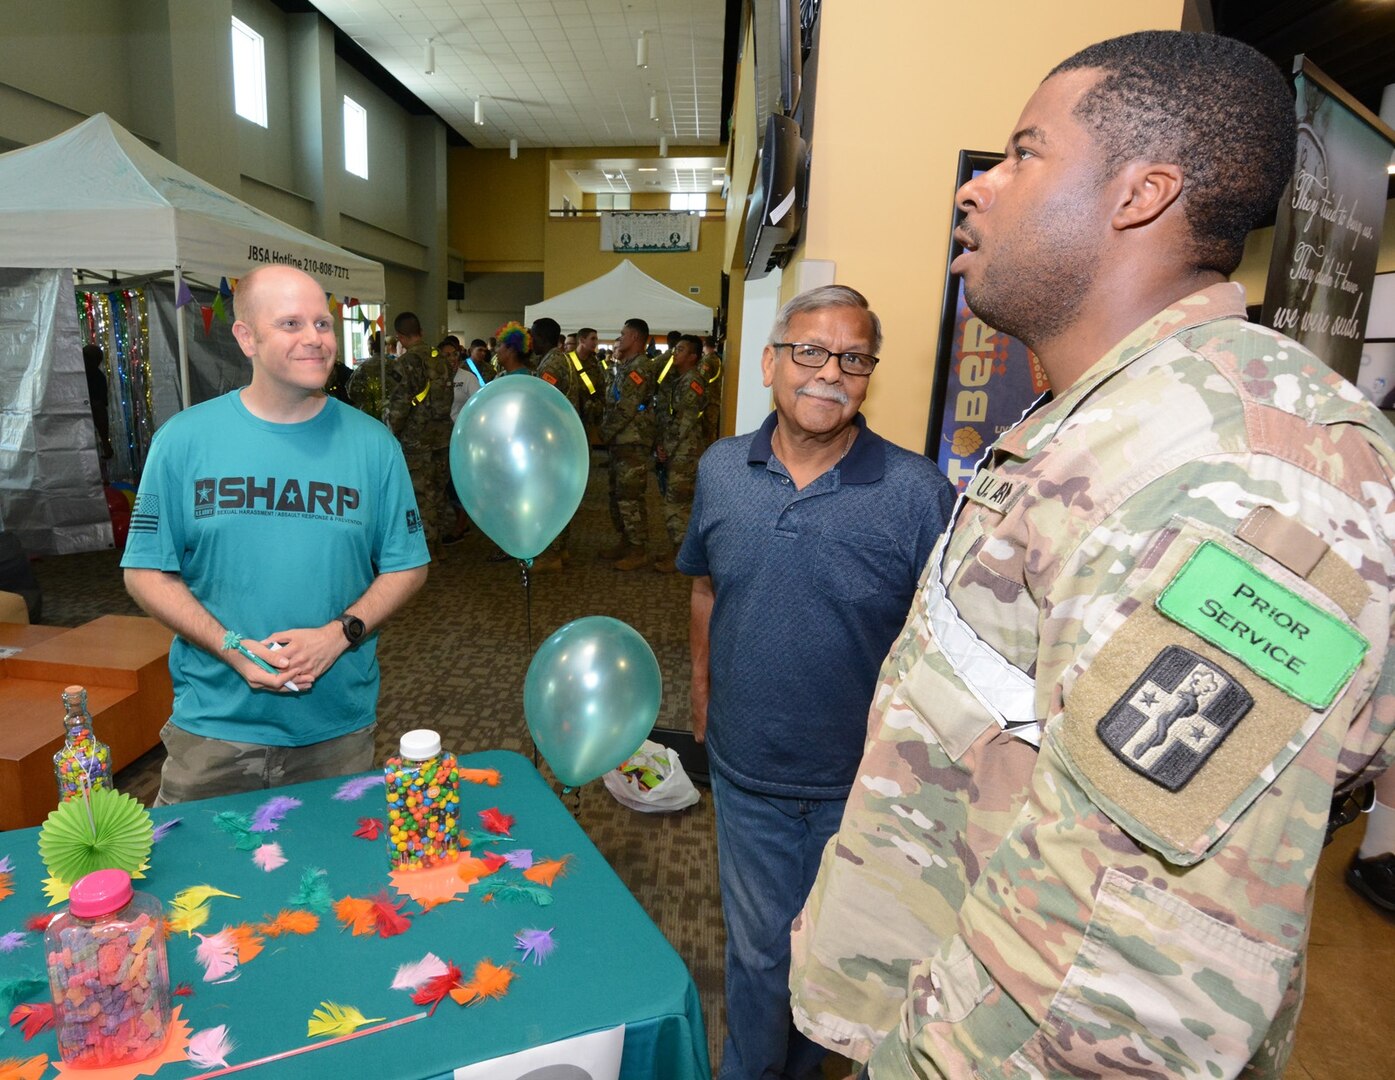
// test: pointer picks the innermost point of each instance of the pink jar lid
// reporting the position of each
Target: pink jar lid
(100, 893)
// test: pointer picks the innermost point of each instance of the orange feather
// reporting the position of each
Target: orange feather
(481, 776)
(291, 921)
(545, 873)
(357, 915)
(490, 981)
(248, 943)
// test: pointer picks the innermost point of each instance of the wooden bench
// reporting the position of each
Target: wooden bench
(122, 660)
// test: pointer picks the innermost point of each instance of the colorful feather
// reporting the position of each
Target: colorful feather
(352, 790)
(415, 976)
(494, 861)
(6, 882)
(434, 990)
(481, 776)
(187, 920)
(495, 820)
(369, 828)
(20, 1069)
(332, 1019)
(291, 922)
(479, 836)
(469, 869)
(209, 1048)
(267, 817)
(35, 1016)
(239, 827)
(198, 895)
(218, 954)
(248, 942)
(13, 941)
(515, 891)
(314, 890)
(520, 859)
(545, 873)
(389, 917)
(39, 923)
(162, 829)
(537, 945)
(357, 915)
(489, 981)
(182, 990)
(269, 857)
(6, 866)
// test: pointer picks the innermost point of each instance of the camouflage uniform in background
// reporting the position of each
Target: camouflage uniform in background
(556, 369)
(1191, 542)
(627, 428)
(419, 397)
(592, 396)
(680, 408)
(709, 370)
(366, 387)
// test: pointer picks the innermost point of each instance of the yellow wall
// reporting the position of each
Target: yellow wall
(574, 257)
(904, 85)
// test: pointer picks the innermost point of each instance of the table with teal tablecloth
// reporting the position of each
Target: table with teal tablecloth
(611, 964)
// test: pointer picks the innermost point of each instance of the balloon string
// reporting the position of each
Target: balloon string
(528, 635)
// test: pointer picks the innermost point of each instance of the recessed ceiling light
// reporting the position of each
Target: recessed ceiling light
(643, 169)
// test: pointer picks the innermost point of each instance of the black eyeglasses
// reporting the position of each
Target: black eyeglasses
(815, 356)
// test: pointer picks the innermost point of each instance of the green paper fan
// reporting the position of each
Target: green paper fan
(104, 831)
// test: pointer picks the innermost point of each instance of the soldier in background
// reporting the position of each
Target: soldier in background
(419, 398)
(710, 372)
(554, 367)
(591, 371)
(365, 384)
(627, 427)
(679, 405)
(1031, 878)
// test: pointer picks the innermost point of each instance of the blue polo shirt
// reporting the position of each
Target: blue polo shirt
(811, 588)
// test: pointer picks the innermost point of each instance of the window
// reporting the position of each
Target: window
(613, 201)
(689, 200)
(249, 73)
(360, 324)
(355, 138)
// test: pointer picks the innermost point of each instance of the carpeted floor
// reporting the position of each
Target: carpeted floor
(455, 659)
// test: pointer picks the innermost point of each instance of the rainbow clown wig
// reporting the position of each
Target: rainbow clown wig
(515, 335)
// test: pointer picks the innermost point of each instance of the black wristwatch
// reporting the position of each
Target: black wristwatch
(353, 626)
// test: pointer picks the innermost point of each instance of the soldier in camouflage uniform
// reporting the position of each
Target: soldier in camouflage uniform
(679, 406)
(591, 372)
(710, 372)
(554, 368)
(627, 427)
(419, 397)
(1101, 753)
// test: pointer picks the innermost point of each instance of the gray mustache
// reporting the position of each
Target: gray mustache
(828, 393)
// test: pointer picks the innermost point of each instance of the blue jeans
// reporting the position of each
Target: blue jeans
(768, 851)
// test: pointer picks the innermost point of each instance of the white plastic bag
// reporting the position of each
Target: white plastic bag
(651, 780)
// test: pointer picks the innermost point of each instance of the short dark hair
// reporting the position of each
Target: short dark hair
(478, 343)
(1214, 106)
(693, 340)
(545, 333)
(674, 336)
(449, 339)
(585, 330)
(407, 323)
(640, 326)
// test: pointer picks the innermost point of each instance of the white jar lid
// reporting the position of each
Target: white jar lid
(420, 744)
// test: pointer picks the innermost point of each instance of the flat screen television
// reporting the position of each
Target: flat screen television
(775, 209)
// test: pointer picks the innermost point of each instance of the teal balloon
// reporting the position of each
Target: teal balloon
(591, 697)
(519, 461)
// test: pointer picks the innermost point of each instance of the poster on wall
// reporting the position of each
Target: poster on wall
(1328, 232)
(984, 379)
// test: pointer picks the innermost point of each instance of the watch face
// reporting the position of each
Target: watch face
(353, 628)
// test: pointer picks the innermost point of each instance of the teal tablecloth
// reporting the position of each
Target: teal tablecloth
(611, 965)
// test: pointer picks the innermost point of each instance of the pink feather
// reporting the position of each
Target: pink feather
(269, 857)
(217, 953)
(267, 817)
(351, 790)
(210, 1047)
(414, 976)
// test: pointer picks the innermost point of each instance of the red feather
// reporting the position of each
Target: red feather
(370, 828)
(390, 919)
(183, 990)
(435, 990)
(35, 1018)
(493, 860)
(496, 821)
(38, 923)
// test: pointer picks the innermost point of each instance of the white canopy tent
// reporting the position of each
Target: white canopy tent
(97, 197)
(626, 292)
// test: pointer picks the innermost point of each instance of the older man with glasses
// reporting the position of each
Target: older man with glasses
(805, 543)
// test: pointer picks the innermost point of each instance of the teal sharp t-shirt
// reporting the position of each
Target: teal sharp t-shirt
(274, 527)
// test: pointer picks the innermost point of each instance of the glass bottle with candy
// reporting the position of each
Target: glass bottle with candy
(423, 800)
(84, 761)
(108, 972)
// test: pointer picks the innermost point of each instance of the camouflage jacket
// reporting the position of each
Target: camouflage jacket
(678, 407)
(629, 416)
(555, 368)
(1192, 542)
(419, 397)
(366, 387)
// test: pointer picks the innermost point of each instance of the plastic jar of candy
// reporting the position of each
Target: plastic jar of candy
(83, 761)
(108, 972)
(423, 801)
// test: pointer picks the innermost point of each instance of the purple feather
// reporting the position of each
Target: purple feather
(520, 859)
(353, 789)
(535, 943)
(6, 866)
(267, 817)
(164, 827)
(15, 939)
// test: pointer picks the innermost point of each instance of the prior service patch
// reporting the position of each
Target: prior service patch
(1174, 716)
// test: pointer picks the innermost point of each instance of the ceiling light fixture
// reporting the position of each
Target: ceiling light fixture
(479, 112)
(642, 50)
(429, 60)
(513, 149)
(654, 107)
(663, 146)
(645, 169)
